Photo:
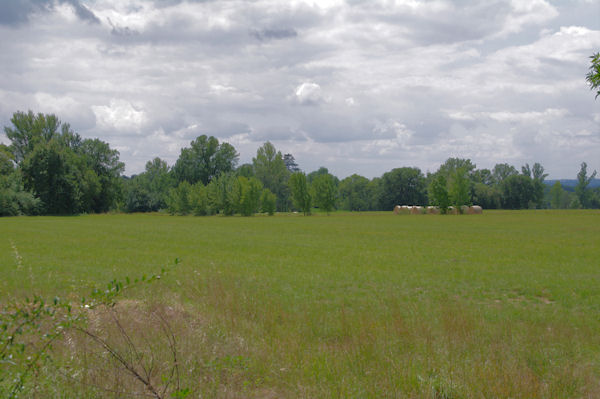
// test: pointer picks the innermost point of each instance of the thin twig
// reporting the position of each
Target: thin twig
(121, 360)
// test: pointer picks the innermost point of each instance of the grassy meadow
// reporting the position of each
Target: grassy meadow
(500, 305)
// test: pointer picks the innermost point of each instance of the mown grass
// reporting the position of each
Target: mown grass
(504, 304)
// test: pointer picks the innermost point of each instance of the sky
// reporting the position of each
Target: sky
(355, 86)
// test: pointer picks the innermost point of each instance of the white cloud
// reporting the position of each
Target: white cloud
(120, 115)
(384, 83)
(308, 93)
(527, 12)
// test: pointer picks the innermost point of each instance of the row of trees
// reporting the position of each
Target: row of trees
(49, 169)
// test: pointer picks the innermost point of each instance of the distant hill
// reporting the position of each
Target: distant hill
(571, 183)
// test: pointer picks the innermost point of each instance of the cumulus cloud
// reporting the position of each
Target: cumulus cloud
(120, 115)
(357, 86)
(308, 93)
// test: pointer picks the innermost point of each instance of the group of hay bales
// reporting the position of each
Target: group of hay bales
(434, 210)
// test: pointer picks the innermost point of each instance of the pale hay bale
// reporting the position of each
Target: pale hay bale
(433, 210)
(397, 209)
(415, 210)
(475, 210)
(464, 209)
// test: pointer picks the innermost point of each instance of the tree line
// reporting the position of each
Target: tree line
(50, 169)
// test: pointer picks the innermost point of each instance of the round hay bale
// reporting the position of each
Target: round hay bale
(433, 210)
(475, 210)
(397, 209)
(415, 210)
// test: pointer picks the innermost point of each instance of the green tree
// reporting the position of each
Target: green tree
(68, 174)
(324, 192)
(459, 189)
(375, 193)
(28, 130)
(6, 160)
(198, 200)
(104, 162)
(487, 196)
(268, 202)
(148, 191)
(451, 165)
(581, 189)
(438, 193)
(14, 199)
(483, 176)
(502, 171)
(300, 193)
(178, 201)
(556, 196)
(538, 176)
(354, 193)
(290, 163)
(319, 172)
(223, 194)
(518, 192)
(402, 186)
(204, 160)
(249, 193)
(245, 170)
(270, 169)
(593, 76)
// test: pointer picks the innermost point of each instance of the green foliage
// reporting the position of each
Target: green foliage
(290, 163)
(223, 194)
(502, 171)
(6, 161)
(459, 190)
(68, 174)
(268, 202)
(28, 130)
(324, 192)
(198, 200)
(537, 175)
(30, 327)
(205, 160)
(559, 198)
(186, 199)
(593, 76)
(518, 192)
(51, 171)
(402, 186)
(250, 191)
(178, 201)
(451, 165)
(245, 170)
(584, 195)
(375, 190)
(487, 196)
(300, 193)
(355, 194)
(148, 191)
(483, 176)
(271, 170)
(310, 178)
(438, 193)
(14, 199)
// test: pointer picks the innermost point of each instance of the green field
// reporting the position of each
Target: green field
(504, 304)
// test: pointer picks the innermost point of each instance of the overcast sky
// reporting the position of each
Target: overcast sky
(355, 86)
